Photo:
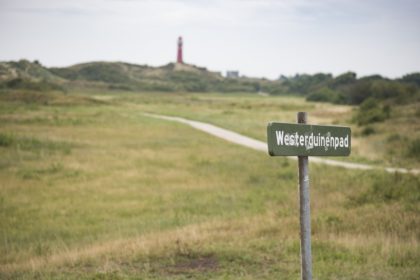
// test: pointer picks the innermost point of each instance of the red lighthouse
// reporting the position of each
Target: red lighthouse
(179, 56)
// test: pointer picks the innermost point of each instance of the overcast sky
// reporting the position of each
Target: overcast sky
(262, 38)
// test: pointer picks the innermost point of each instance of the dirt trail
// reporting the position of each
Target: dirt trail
(261, 146)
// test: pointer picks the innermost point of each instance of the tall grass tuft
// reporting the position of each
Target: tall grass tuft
(414, 149)
(6, 140)
(388, 188)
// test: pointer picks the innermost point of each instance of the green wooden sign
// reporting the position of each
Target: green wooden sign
(287, 139)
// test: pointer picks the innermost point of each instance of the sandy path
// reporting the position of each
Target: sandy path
(262, 146)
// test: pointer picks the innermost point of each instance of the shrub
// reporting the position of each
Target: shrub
(413, 78)
(370, 111)
(394, 137)
(400, 92)
(42, 85)
(417, 114)
(6, 140)
(358, 92)
(324, 95)
(368, 131)
(414, 149)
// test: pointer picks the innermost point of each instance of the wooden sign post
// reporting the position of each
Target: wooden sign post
(303, 140)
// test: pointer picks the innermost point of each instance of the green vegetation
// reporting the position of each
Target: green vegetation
(33, 98)
(368, 130)
(397, 188)
(20, 83)
(91, 188)
(370, 112)
(376, 96)
(116, 76)
(168, 78)
(105, 72)
(6, 140)
(369, 145)
(347, 89)
(324, 95)
(414, 148)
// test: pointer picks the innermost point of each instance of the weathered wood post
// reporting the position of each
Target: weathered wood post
(305, 211)
(303, 140)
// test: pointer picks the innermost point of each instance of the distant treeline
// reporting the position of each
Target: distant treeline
(375, 94)
(348, 89)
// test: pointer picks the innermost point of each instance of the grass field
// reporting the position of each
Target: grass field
(387, 145)
(91, 188)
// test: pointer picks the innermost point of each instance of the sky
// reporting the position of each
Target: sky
(265, 38)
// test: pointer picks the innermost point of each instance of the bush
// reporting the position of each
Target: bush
(368, 131)
(324, 95)
(394, 138)
(344, 79)
(400, 92)
(358, 92)
(6, 140)
(42, 85)
(413, 78)
(370, 111)
(417, 114)
(414, 149)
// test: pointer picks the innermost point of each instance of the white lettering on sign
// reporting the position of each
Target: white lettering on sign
(279, 136)
(310, 140)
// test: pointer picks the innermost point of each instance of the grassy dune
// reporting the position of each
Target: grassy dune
(90, 188)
